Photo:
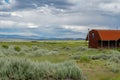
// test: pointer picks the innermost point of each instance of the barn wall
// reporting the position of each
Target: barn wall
(93, 41)
(98, 41)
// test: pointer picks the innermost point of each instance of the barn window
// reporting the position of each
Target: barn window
(93, 35)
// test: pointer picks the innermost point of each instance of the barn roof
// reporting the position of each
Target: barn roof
(109, 34)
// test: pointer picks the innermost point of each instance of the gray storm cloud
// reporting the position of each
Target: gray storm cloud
(57, 17)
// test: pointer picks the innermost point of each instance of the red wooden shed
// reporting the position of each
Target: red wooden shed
(103, 38)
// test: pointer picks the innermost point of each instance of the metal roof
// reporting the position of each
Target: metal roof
(109, 34)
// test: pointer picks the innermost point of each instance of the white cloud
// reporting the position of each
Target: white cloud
(111, 7)
(4, 14)
(14, 24)
(31, 25)
(83, 29)
(16, 14)
(72, 15)
(10, 14)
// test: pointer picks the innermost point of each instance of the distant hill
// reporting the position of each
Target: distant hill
(62, 39)
(10, 37)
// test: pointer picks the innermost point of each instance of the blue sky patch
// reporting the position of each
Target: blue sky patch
(7, 1)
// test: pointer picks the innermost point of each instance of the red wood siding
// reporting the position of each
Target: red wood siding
(93, 42)
(103, 38)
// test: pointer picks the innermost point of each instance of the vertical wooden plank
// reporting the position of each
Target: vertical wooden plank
(101, 44)
(108, 44)
(88, 37)
(115, 43)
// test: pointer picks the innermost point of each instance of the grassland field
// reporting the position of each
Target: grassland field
(95, 64)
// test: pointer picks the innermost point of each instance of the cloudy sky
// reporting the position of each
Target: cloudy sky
(57, 18)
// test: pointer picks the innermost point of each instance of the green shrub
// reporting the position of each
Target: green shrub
(27, 51)
(114, 67)
(5, 46)
(76, 57)
(85, 59)
(66, 48)
(100, 56)
(115, 59)
(17, 48)
(22, 69)
(34, 48)
(113, 52)
(81, 48)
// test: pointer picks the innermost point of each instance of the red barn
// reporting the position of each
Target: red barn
(104, 38)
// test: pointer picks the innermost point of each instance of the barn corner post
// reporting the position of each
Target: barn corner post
(108, 44)
(88, 38)
(115, 43)
(101, 44)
